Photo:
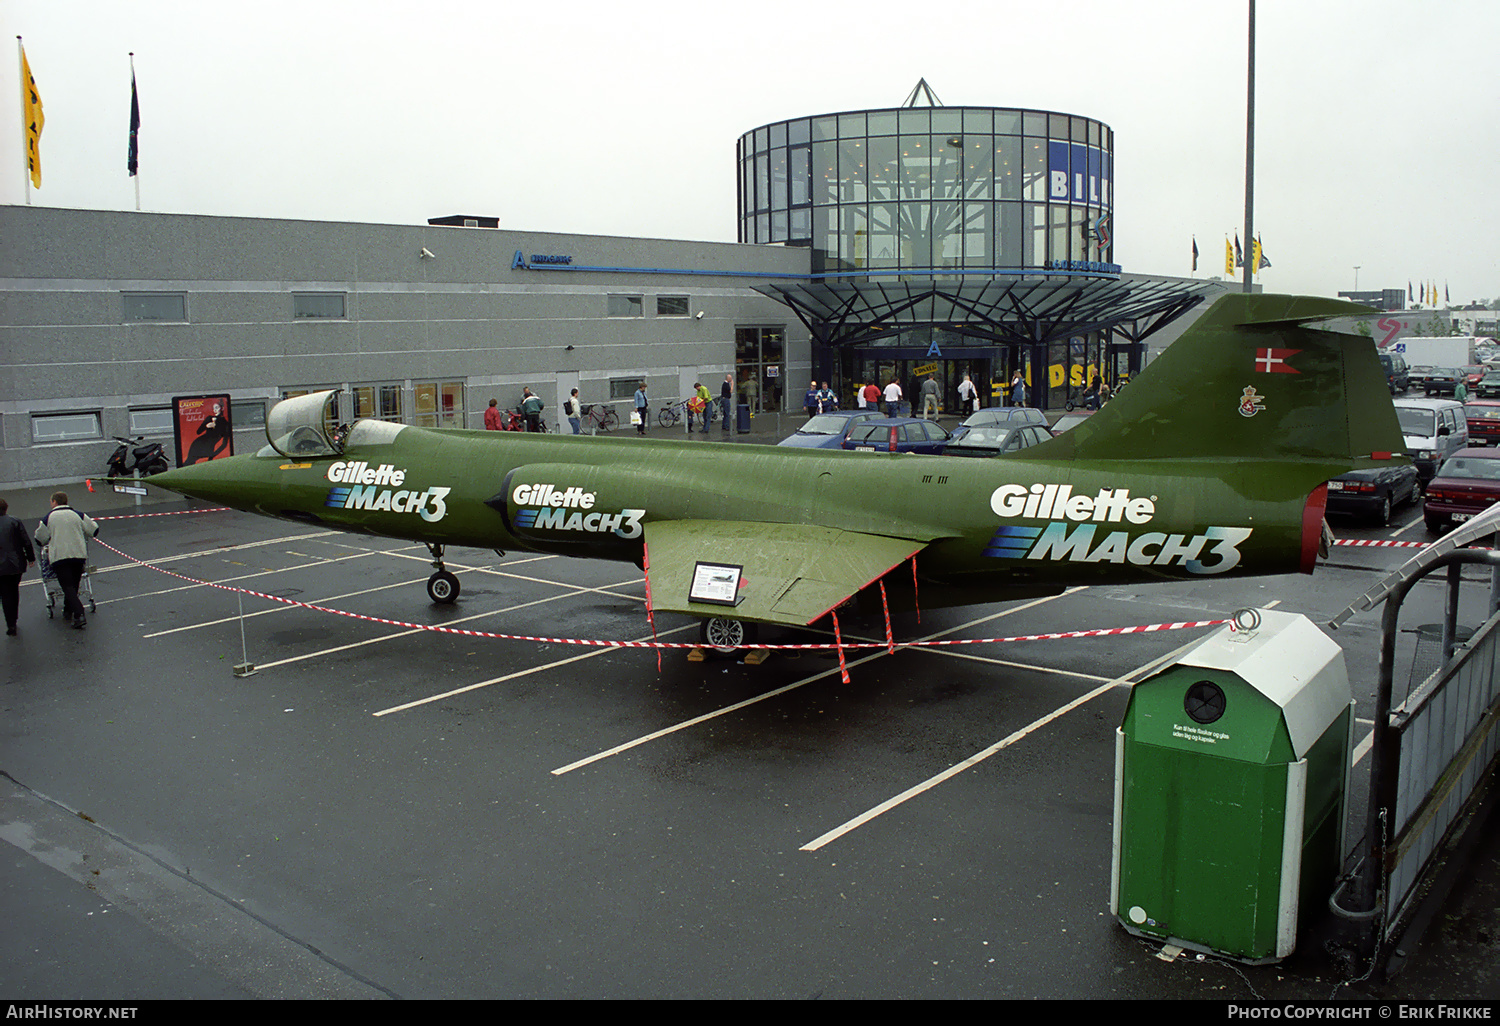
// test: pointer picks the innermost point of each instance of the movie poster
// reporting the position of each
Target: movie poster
(201, 428)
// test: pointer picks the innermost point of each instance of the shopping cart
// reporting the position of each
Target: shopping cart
(54, 589)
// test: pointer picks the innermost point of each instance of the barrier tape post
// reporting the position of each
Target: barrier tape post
(890, 640)
(839, 641)
(245, 668)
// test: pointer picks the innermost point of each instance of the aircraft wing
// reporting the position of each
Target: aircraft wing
(790, 573)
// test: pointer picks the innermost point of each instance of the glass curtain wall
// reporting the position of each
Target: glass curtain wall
(930, 189)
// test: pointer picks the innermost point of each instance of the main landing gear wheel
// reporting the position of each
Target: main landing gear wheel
(723, 634)
(442, 588)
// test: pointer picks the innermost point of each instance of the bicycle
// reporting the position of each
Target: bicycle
(670, 415)
(602, 417)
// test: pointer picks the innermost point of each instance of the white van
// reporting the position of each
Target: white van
(1434, 429)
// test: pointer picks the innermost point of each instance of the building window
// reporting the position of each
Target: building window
(626, 306)
(383, 402)
(438, 403)
(249, 413)
(623, 388)
(671, 306)
(156, 421)
(65, 427)
(155, 306)
(317, 304)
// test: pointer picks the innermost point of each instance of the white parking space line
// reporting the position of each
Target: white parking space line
(1402, 530)
(978, 757)
(726, 710)
(418, 630)
(229, 580)
(590, 654)
(211, 552)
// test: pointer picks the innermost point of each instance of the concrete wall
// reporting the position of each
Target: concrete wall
(465, 314)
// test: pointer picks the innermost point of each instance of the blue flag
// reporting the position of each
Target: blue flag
(132, 161)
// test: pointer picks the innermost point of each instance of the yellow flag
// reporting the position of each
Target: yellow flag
(1228, 258)
(32, 122)
(1255, 255)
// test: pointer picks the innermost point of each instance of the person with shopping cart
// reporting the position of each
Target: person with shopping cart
(16, 557)
(66, 533)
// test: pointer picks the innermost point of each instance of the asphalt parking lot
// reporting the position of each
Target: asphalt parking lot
(386, 810)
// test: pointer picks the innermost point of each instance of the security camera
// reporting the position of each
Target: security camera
(698, 316)
(426, 253)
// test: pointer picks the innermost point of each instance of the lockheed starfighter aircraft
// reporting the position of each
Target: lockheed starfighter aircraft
(1212, 463)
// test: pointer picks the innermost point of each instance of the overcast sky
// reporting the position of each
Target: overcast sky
(1377, 121)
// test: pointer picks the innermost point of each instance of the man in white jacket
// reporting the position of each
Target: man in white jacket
(66, 533)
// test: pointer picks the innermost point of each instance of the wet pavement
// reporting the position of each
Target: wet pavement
(383, 810)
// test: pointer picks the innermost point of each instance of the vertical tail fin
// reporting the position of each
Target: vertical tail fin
(1250, 380)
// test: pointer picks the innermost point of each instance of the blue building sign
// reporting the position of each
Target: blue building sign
(1077, 173)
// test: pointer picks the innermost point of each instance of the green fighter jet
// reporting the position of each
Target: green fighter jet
(1212, 463)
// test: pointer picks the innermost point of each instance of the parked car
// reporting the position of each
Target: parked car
(1374, 493)
(897, 434)
(1397, 373)
(1417, 376)
(1483, 416)
(1489, 385)
(1441, 381)
(1004, 415)
(1434, 429)
(1070, 420)
(827, 430)
(1467, 483)
(1475, 374)
(995, 439)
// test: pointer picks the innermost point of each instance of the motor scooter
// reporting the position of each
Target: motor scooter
(150, 458)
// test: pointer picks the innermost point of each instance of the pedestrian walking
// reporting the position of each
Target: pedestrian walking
(531, 409)
(574, 412)
(930, 397)
(492, 416)
(893, 399)
(16, 557)
(642, 409)
(66, 533)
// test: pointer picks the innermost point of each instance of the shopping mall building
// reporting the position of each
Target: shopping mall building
(873, 245)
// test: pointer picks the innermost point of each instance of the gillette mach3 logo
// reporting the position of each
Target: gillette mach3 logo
(570, 509)
(379, 489)
(1080, 531)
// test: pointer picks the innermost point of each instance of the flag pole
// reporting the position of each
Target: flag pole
(1250, 147)
(21, 74)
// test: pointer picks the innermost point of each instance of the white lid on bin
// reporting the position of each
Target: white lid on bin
(1291, 662)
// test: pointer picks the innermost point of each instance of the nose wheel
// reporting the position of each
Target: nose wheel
(442, 586)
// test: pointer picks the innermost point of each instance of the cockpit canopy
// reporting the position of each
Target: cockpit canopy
(304, 426)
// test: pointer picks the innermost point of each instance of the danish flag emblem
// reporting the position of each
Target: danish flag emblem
(1274, 361)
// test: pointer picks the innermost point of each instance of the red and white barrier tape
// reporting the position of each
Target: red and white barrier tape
(172, 513)
(1149, 628)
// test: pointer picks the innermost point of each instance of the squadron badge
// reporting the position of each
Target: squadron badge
(1250, 402)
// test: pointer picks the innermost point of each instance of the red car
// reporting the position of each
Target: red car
(1483, 416)
(1474, 374)
(1467, 483)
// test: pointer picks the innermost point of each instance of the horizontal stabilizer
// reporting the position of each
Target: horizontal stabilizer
(790, 573)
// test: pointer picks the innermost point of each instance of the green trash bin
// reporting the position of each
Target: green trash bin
(1231, 777)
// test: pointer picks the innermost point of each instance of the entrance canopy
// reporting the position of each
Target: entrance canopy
(1027, 309)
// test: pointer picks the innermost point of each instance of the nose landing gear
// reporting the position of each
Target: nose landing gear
(442, 586)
